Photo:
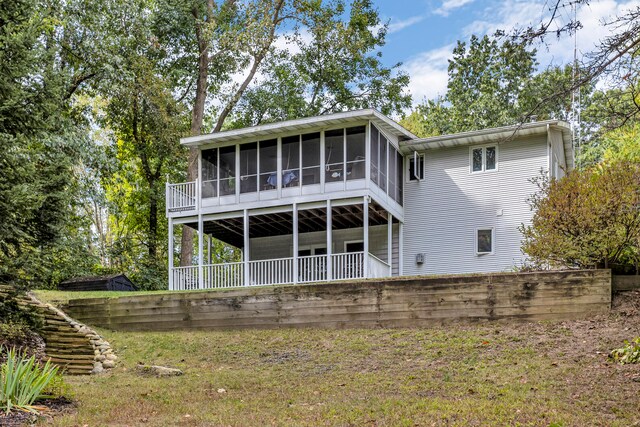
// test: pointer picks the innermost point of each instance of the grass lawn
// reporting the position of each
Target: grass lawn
(504, 373)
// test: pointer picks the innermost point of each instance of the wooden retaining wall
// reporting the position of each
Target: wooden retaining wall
(626, 283)
(401, 302)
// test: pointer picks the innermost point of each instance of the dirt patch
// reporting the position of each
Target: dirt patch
(50, 408)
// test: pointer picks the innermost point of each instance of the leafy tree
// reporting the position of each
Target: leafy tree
(590, 218)
(211, 43)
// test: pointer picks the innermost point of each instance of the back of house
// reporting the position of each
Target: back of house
(355, 195)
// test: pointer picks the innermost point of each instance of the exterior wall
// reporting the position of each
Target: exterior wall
(443, 211)
(397, 302)
(281, 246)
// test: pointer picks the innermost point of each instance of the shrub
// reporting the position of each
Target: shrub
(629, 353)
(22, 382)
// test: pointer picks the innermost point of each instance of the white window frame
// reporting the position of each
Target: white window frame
(410, 172)
(493, 240)
(312, 248)
(346, 242)
(484, 158)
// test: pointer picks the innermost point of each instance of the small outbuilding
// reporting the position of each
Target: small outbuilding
(113, 282)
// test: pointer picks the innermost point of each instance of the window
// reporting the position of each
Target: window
(375, 156)
(210, 173)
(400, 178)
(291, 161)
(268, 164)
(484, 159)
(228, 170)
(484, 241)
(311, 159)
(416, 172)
(382, 171)
(354, 246)
(334, 155)
(249, 168)
(355, 152)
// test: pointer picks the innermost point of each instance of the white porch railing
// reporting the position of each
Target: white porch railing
(182, 197)
(279, 271)
(185, 278)
(227, 275)
(271, 271)
(377, 268)
(348, 266)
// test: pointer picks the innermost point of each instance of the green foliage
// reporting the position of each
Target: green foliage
(493, 82)
(589, 218)
(23, 381)
(13, 315)
(629, 353)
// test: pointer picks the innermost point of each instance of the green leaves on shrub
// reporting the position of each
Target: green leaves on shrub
(22, 382)
(629, 353)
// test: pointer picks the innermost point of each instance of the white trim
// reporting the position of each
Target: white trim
(484, 158)
(346, 242)
(409, 173)
(493, 240)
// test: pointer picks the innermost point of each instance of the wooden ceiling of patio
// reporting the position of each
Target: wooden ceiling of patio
(277, 224)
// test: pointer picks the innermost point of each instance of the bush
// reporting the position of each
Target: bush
(22, 382)
(590, 218)
(629, 353)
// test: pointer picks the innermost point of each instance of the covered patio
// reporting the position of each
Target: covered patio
(297, 243)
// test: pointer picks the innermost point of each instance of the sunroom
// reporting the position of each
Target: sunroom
(305, 201)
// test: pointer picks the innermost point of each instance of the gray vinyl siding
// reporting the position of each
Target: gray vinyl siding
(443, 211)
(281, 246)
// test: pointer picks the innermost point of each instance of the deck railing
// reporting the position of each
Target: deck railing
(271, 271)
(314, 268)
(377, 268)
(182, 197)
(348, 266)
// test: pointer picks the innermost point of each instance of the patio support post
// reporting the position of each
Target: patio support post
(400, 247)
(170, 254)
(200, 252)
(390, 243)
(295, 243)
(329, 240)
(245, 250)
(365, 235)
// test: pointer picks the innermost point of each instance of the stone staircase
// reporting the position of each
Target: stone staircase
(74, 347)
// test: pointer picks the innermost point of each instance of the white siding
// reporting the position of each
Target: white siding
(443, 211)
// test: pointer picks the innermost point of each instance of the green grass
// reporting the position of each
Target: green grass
(458, 374)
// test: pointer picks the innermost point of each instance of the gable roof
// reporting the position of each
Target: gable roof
(499, 134)
(304, 124)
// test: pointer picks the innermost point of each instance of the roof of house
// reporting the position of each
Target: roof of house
(504, 133)
(380, 120)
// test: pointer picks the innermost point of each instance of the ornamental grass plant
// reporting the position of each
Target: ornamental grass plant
(23, 381)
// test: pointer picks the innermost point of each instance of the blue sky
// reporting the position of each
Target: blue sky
(422, 33)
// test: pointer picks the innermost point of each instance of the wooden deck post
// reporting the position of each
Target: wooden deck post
(365, 235)
(400, 247)
(170, 254)
(390, 242)
(295, 243)
(329, 240)
(200, 251)
(245, 250)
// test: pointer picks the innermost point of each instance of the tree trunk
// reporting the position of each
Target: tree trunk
(197, 118)
(153, 223)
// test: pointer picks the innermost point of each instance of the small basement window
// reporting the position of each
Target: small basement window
(416, 171)
(484, 159)
(484, 241)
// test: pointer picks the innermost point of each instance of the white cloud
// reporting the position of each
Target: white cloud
(449, 5)
(519, 14)
(395, 26)
(428, 72)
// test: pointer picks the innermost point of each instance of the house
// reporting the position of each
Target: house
(355, 195)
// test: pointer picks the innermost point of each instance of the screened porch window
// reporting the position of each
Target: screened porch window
(268, 164)
(249, 168)
(228, 170)
(210, 173)
(291, 161)
(334, 155)
(375, 156)
(311, 159)
(356, 152)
